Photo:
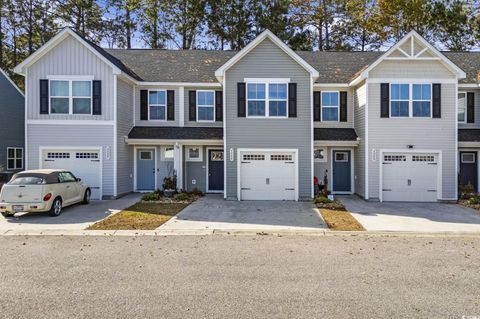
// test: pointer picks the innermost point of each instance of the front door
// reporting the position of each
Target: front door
(145, 169)
(341, 172)
(469, 169)
(215, 170)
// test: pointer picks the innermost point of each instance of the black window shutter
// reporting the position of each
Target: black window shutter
(97, 97)
(144, 105)
(384, 100)
(292, 99)
(317, 106)
(192, 105)
(470, 107)
(43, 96)
(437, 100)
(218, 106)
(170, 105)
(241, 99)
(343, 106)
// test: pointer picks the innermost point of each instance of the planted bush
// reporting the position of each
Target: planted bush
(322, 200)
(182, 197)
(474, 200)
(151, 197)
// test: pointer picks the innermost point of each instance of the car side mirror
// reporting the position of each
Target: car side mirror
(79, 179)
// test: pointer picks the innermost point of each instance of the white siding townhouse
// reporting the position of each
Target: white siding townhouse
(257, 124)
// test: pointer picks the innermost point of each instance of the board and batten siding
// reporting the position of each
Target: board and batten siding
(267, 60)
(124, 125)
(476, 124)
(360, 103)
(350, 115)
(70, 58)
(71, 136)
(139, 122)
(422, 133)
(411, 69)
(187, 110)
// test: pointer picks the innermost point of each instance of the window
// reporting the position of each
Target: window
(253, 157)
(146, 155)
(70, 97)
(281, 157)
(421, 100)
(157, 105)
(468, 158)
(216, 155)
(462, 107)
(267, 99)
(394, 158)
(52, 155)
(330, 109)
(205, 106)
(14, 158)
(341, 157)
(167, 153)
(319, 155)
(423, 158)
(66, 177)
(86, 155)
(194, 153)
(400, 100)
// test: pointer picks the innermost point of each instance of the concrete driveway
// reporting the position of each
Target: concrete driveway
(77, 217)
(212, 213)
(412, 217)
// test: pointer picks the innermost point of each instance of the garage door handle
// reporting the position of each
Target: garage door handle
(49, 160)
(387, 163)
(95, 160)
(409, 182)
(432, 163)
(386, 190)
(246, 162)
(289, 189)
(432, 190)
(245, 189)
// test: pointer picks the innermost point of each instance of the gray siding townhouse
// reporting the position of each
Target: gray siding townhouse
(257, 124)
(12, 125)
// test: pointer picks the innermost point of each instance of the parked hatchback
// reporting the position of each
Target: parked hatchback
(42, 191)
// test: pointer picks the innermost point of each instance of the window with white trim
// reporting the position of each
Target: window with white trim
(194, 153)
(167, 153)
(157, 105)
(267, 100)
(421, 100)
(319, 154)
(462, 107)
(205, 106)
(410, 100)
(399, 100)
(14, 158)
(70, 97)
(468, 158)
(330, 106)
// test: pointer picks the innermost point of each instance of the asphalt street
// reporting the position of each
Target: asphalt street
(239, 277)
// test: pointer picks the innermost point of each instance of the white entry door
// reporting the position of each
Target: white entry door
(410, 177)
(84, 164)
(267, 176)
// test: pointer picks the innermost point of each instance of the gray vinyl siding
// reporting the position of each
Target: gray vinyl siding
(70, 58)
(360, 103)
(187, 110)
(411, 69)
(196, 171)
(139, 122)
(476, 124)
(269, 61)
(69, 136)
(350, 115)
(423, 133)
(124, 125)
(12, 127)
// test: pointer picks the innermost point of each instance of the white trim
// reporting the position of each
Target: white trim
(312, 142)
(25, 121)
(331, 107)
(468, 85)
(367, 150)
(220, 72)
(163, 149)
(224, 111)
(133, 141)
(469, 144)
(41, 149)
(456, 140)
(15, 158)
(410, 100)
(331, 85)
(134, 103)
(115, 134)
(207, 159)
(180, 84)
(267, 80)
(70, 97)
(462, 153)
(268, 150)
(325, 152)
(267, 101)
(13, 83)
(352, 168)
(181, 106)
(148, 105)
(187, 156)
(413, 80)
(408, 151)
(70, 77)
(337, 143)
(70, 122)
(466, 107)
(135, 153)
(205, 106)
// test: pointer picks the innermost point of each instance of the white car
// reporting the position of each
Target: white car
(43, 190)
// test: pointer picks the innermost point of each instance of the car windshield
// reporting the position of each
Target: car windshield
(27, 180)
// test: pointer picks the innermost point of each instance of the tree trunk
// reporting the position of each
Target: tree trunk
(1, 34)
(129, 27)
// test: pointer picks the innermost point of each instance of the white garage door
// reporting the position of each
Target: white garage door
(85, 164)
(267, 176)
(410, 177)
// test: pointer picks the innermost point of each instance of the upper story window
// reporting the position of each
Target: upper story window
(70, 97)
(267, 100)
(462, 107)
(330, 106)
(410, 100)
(157, 105)
(205, 106)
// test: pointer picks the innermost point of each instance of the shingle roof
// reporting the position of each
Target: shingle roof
(176, 133)
(468, 62)
(469, 135)
(334, 134)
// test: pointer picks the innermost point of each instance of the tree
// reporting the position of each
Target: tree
(84, 16)
(121, 29)
(153, 26)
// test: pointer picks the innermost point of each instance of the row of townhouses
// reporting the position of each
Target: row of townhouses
(257, 124)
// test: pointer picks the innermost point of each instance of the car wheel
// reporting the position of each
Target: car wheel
(86, 197)
(7, 214)
(56, 207)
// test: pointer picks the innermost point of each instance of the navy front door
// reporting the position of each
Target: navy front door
(342, 173)
(145, 169)
(215, 170)
(469, 169)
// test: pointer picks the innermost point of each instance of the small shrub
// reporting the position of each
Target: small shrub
(170, 183)
(474, 200)
(196, 192)
(182, 197)
(151, 197)
(466, 191)
(322, 200)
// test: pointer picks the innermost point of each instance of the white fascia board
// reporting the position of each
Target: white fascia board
(184, 84)
(337, 143)
(220, 72)
(468, 144)
(134, 141)
(468, 85)
(11, 82)
(331, 85)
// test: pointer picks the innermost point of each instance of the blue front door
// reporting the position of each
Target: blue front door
(342, 173)
(145, 169)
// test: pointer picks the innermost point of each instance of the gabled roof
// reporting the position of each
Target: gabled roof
(220, 72)
(11, 82)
